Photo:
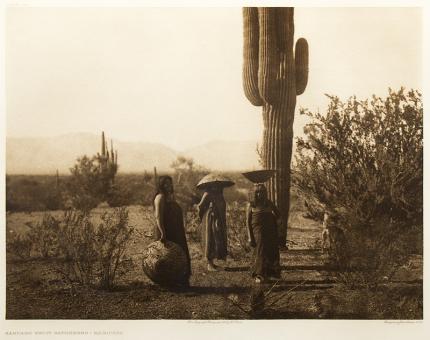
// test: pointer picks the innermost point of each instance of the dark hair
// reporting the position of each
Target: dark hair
(160, 185)
(258, 195)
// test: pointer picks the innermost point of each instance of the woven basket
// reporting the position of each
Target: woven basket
(164, 263)
(259, 176)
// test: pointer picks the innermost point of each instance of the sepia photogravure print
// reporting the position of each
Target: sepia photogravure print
(213, 164)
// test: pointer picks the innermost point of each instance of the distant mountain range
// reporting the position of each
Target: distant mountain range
(45, 155)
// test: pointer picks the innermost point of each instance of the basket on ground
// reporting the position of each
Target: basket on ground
(164, 263)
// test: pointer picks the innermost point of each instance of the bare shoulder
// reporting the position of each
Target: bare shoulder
(159, 199)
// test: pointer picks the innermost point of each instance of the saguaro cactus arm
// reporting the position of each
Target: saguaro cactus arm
(302, 65)
(250, 55)
(103, 144)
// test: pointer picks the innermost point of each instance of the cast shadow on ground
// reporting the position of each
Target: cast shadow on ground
(192, 290)
(284, 267)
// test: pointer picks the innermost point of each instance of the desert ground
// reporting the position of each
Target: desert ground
(308, 288)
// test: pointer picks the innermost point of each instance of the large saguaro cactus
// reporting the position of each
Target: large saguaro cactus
(274, 73)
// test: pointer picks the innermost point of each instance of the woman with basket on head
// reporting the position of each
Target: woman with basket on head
(170, 222)
(261, 221)
(212, 213)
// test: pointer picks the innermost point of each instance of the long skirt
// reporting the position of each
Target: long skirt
(266, 252)
(213, 235)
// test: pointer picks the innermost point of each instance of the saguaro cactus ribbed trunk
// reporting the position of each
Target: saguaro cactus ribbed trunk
(274, 73)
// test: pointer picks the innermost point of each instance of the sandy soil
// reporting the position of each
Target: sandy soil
(307, 288)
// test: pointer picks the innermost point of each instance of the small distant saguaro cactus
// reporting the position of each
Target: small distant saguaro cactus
(108, 161)
(274, 73)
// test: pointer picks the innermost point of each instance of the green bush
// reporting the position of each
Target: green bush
(19, 245)
(185, 178)
(90, 183)
(362, 162)
(80, 250)
(118, 196)
(386, 303)
(44, 236)
(237, 231)
(135, 189)
(40, 193)
(95, 254)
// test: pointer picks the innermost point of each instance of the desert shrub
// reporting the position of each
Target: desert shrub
(90, 183)
(185, 178)
(54, 200)
(398, 303)
(19, 245)
(112, 238)
(41, 192)
(77, 242)
(135, 189)
(118, 196)
(32, 193)
(235, 194)
(386, 303)
(363, 163)
(44, 236)
(193, 225)
(95, 254)
(237, 231)
(239, 192)
(147, 197)
(84, 252)
(41, 240)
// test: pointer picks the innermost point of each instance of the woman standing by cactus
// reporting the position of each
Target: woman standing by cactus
(261, 221)
(170, 222)
(212, 213)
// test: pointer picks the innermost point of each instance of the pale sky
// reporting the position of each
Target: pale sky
(173, 75)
